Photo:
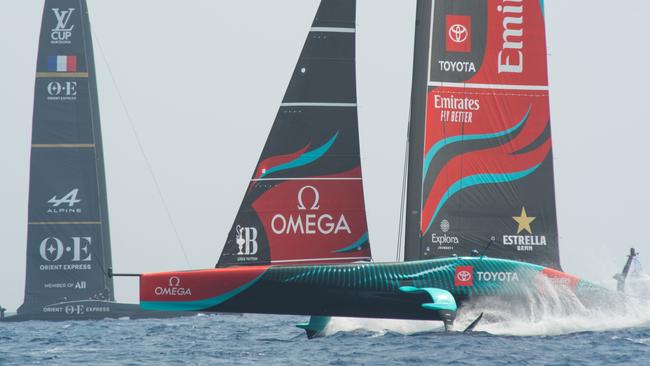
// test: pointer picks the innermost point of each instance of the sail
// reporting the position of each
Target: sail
(481, 165)
(304, 202)
(68, 247)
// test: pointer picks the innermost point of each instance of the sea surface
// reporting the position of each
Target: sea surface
(553, 332)
(273, 340)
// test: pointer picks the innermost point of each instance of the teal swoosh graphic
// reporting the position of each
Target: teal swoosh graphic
(357, 244)
(304, 159)
(474, 180)
(541, 3)
(453, 139)
(198, 304)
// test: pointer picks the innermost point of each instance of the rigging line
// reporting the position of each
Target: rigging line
(402, 221)
(103, 227)
(144, 155)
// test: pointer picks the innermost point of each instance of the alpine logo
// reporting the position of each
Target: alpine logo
(246, 239)
(62, 32)
(464, 276)
(69, 199)
(174, 288)
(309, 223)
(67, 204)
(459, 36)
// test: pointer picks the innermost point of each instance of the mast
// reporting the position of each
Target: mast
(481, 170)
(305, 202)
(416, 130)
(68, 244)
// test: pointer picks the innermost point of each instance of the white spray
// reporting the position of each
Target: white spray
(552, 311)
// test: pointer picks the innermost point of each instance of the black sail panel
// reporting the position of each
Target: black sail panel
(68, 245)
(305, 200)
(481, 169)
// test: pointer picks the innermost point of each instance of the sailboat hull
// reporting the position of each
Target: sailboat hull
(370, 290)
(89, 310)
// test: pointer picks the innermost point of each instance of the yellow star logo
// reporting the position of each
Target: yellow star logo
(524, 221)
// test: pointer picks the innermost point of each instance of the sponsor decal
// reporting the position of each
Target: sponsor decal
(174, 288)
(444, 241)
(309, 221)
(458, 39)
(445, 226)
(65, 204)
(524, 221)
(79, 285)
(62, 32)
(498, 276)
(60, 63)
(62, 90)
(246, 239)
(53, 249)
(524, 243)
(457, 66)
(555, 279)
(510, 58)
(456, 110)
(459, 36)
(78, 309)
(464, 276)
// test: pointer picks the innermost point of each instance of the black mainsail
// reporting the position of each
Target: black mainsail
(305, 200)
(481, 164)
(68, 243)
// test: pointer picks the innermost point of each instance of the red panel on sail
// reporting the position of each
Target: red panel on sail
(316, 220)
(483, 132)
(515, 51)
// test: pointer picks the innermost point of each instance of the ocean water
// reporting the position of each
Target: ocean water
(547, 333)
(273, 340)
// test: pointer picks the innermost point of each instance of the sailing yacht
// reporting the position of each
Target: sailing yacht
(480, 205)
(68, 241)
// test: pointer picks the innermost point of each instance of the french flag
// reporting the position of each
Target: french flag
(62, 63)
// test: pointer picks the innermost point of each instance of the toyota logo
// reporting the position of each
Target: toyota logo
(458, 33)
(464, 276)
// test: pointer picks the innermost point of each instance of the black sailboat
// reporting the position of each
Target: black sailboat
(481, 212)
(68, 241)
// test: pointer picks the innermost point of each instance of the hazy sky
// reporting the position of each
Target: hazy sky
(202, 81)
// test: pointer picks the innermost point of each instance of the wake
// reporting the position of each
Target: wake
(547, 312)
(559, 311)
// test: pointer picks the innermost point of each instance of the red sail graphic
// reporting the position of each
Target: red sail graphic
(305, 200)
(482, 170)
(316, 220)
